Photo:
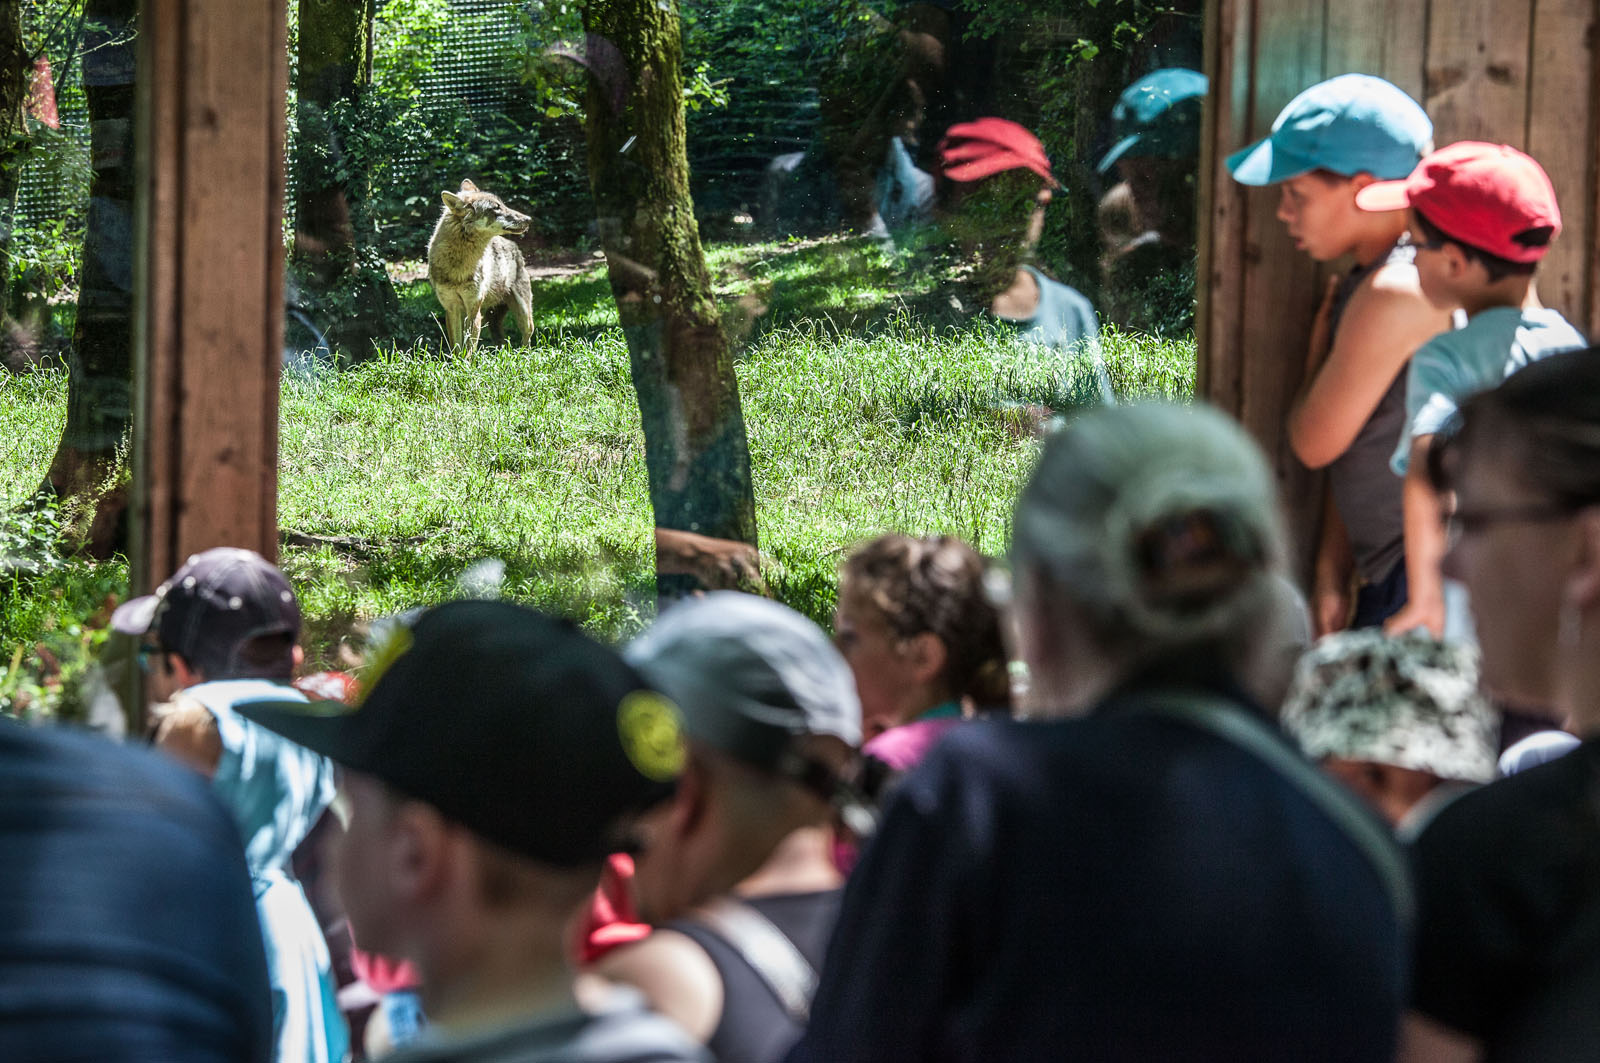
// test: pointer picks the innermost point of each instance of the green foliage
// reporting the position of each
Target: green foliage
(864, 415)
(404, 34)
(54, 616)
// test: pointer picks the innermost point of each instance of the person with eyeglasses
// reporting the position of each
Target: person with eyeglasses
(222, 630)
(1507, 954)
(1482, 216)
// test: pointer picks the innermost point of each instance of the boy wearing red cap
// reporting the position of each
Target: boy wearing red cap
(1481, 218)
(1002, 183)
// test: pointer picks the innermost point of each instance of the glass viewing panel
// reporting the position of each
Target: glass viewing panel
(66, 262)
(582, 324)
(881, 332)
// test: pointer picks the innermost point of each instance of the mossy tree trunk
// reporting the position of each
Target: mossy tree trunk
(85, 471)
(696, 452)
(333, 67)
(15, 64)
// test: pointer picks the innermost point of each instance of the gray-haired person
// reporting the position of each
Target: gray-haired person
(1145, 869)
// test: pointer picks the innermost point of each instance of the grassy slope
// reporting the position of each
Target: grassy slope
(868, 407)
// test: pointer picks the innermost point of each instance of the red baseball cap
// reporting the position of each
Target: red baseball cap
(1488, 196)
(971, 151)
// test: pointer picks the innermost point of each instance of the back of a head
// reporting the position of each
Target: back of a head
(127, 926)
(1545, 418)
(1158, 524)
(936, 584)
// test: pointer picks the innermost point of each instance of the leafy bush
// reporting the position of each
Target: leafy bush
(54, 615)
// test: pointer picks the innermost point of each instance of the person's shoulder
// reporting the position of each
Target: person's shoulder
(1391, 290)
(1056, 291)
(1505, 815)
(89, 766)
(1559, 332)
(1397, 277)
(674, 974)
(624, 1030)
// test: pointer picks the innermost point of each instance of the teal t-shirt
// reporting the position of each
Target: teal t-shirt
(1453, 366)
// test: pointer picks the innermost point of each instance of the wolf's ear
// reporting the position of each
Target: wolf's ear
(453, 201)
(468, 186)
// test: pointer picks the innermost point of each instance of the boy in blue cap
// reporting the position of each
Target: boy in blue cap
(1330, 142)
(1149, 272)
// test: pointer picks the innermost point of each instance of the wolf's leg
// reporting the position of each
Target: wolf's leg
(452, 327)
(522, 309)
(474, 327)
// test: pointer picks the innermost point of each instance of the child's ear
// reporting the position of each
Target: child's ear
(928, 656)
(1456, 261)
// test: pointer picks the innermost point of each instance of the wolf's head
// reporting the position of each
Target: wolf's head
(483, 211)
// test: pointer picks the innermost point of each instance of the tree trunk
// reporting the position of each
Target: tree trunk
(334, 64)
(15, 64)
(696, 452)
(100, 364)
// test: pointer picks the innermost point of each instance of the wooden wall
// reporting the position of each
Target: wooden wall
(1521, 72)
(209, 259)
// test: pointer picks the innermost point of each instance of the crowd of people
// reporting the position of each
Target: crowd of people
(1103, 799)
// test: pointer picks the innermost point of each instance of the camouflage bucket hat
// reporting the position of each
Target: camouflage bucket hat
(1409, 701)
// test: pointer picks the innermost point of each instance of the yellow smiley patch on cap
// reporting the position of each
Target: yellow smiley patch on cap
(652, 735)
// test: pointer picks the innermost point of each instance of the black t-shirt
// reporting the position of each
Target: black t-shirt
(1118, 887)
(128, 930)
(1508, 932)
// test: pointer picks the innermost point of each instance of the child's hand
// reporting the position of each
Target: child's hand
(1330, 605)
(1417, 613)
(1322, 328)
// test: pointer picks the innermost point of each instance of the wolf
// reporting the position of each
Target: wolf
(473, 268)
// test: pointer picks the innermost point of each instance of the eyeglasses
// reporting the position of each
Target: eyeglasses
(1464, 522)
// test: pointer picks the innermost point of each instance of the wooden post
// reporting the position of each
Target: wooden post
(209, 265)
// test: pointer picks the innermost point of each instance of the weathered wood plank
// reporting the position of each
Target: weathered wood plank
(1477, 70)
(1280, 284)
(1560, 134)
(212, 266)
(1223, 203)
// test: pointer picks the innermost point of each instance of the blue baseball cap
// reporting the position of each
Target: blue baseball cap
(1158, 115)
(1354, 123)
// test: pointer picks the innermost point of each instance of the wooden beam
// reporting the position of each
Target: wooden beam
(209, 260)
(1476, 84)
(1559, 79)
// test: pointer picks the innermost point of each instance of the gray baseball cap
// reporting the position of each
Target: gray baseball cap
(748, 675)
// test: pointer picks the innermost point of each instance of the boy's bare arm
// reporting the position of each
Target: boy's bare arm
(1425, 549)
(1386, 320)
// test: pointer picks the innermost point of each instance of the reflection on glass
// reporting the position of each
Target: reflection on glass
(767, 317)
(67, 178)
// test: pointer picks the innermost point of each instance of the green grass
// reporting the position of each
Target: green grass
(398, 474)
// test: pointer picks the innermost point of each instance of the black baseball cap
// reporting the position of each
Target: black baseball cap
(510, 722)
(218, 601)
(750, 676)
